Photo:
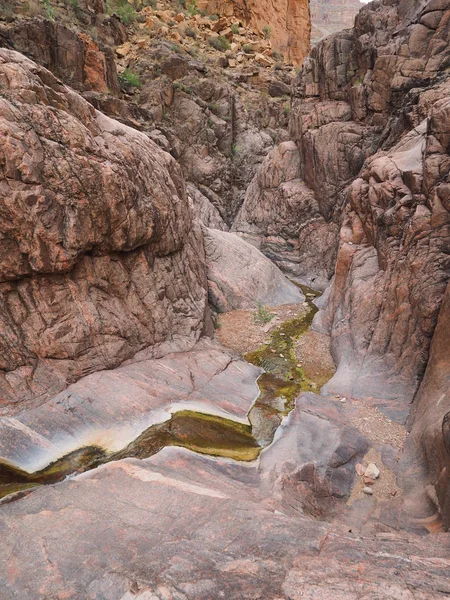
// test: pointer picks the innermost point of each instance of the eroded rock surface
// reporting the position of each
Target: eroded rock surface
(330, 16)
(199, 528)
(289, 22)
(281, 216)
(396, 225)
(100, 257)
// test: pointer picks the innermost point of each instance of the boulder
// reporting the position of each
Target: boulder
(239, 276)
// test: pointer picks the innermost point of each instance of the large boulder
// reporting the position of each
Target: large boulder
(239, 276)
(99, 254)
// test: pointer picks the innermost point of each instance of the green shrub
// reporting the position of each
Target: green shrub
(191, 7)
(49, 10)
(214, 17)
(267, 32)
(262, 315)
(248, 49)
(122, 9)
(190, 32)
(235, 29)
(220, 43)
(130, 78)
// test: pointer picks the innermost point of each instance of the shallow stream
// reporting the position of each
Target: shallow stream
(281, 383)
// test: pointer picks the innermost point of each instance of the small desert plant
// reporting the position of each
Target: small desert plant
(214, 17)
(248, 49)
(267, 32)
(235, 29)
(190, 32)
(191, 7)
(287, 108)
(75, 6)
(262, 315)
(220, 43)
(123, 9)
(130, 78)
(277, 56)
(176, 48)
(49, 10)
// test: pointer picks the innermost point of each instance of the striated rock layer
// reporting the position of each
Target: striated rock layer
(99, 254)
(330, 16)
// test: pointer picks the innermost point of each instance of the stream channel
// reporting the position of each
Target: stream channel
(279, 385)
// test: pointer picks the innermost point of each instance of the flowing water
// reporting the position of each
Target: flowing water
(281, 383)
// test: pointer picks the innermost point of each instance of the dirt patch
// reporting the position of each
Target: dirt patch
(312, 351)
(377, 427)
(240, 330)
(384, 488)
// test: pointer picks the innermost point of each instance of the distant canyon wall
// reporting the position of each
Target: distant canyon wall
(330, 16)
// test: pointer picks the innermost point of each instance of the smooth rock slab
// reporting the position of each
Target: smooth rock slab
(240, 276)
(188, 527)
(111, 408)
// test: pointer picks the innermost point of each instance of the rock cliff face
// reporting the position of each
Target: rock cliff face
(370, 117)
(95, 223)
(289, 22)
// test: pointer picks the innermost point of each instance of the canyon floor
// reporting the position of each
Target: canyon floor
(174, 517)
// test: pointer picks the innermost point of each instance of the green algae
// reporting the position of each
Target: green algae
(283, 376)
(202, 433)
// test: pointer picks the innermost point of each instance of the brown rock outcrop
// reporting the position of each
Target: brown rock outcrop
(71, 56)
(289, 22)
(99, 257)
(281, 216)
(365, 83)
(384, 84)
(430, 437)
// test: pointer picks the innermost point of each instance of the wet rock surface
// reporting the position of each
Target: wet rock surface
(239, 525)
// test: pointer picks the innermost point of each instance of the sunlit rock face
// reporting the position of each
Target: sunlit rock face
(289, 22)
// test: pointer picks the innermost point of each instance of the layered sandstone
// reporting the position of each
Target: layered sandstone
(289, 22)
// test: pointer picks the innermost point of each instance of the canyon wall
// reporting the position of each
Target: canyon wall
(370, 117)
(289, 22)
(330, 16)
(100, 256)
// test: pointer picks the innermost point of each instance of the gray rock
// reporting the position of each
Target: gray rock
(239, 276)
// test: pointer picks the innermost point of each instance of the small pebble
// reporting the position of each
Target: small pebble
(360, 469)
(343, 400)
(372, 471)
(368, 491)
